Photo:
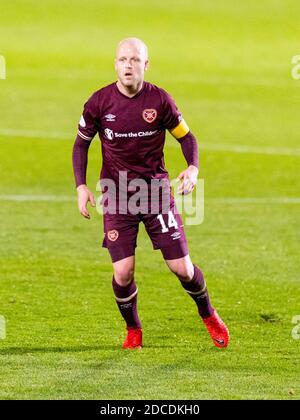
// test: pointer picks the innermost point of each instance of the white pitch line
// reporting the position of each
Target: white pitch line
(35, 134)
(215, 147)
(223, 147)
(220, 200)
(254, 200)
(279, 151)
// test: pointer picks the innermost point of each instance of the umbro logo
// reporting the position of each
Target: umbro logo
(176, 235)
(110, 117)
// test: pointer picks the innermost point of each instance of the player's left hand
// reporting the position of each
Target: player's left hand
(188, 179)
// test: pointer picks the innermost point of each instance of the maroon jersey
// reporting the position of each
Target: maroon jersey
(131, 130)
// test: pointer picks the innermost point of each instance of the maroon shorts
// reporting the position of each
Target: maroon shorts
(165, 231)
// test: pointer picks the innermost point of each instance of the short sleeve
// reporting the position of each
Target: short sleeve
(88, 125)
(171, 115)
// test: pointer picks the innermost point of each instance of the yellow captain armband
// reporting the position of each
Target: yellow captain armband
(180, 130)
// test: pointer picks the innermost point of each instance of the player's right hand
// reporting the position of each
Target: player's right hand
(84, 196)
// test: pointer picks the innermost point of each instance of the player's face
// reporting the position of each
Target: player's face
(130, 64)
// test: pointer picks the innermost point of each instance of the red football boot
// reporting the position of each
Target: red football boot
(217, 330)
(133, 339)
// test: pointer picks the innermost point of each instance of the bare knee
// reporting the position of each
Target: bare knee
(124, 271)
(182, 268)
(185, 274)
(123, 276)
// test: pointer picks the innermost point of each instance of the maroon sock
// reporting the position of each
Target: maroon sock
(196, 288)
(126, 298)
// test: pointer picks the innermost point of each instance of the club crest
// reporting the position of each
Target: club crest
(149, 115)
(113, 235)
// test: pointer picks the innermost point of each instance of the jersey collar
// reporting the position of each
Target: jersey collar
(132, 97)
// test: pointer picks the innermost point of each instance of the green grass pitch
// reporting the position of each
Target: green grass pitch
(228, 65)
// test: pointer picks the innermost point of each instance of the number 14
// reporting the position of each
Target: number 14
(171, 222)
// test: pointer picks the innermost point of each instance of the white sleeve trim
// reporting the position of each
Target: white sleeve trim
(83, 136)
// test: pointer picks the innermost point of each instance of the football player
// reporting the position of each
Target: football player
(131, 117)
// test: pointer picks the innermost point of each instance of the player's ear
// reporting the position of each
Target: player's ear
(147, 64)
